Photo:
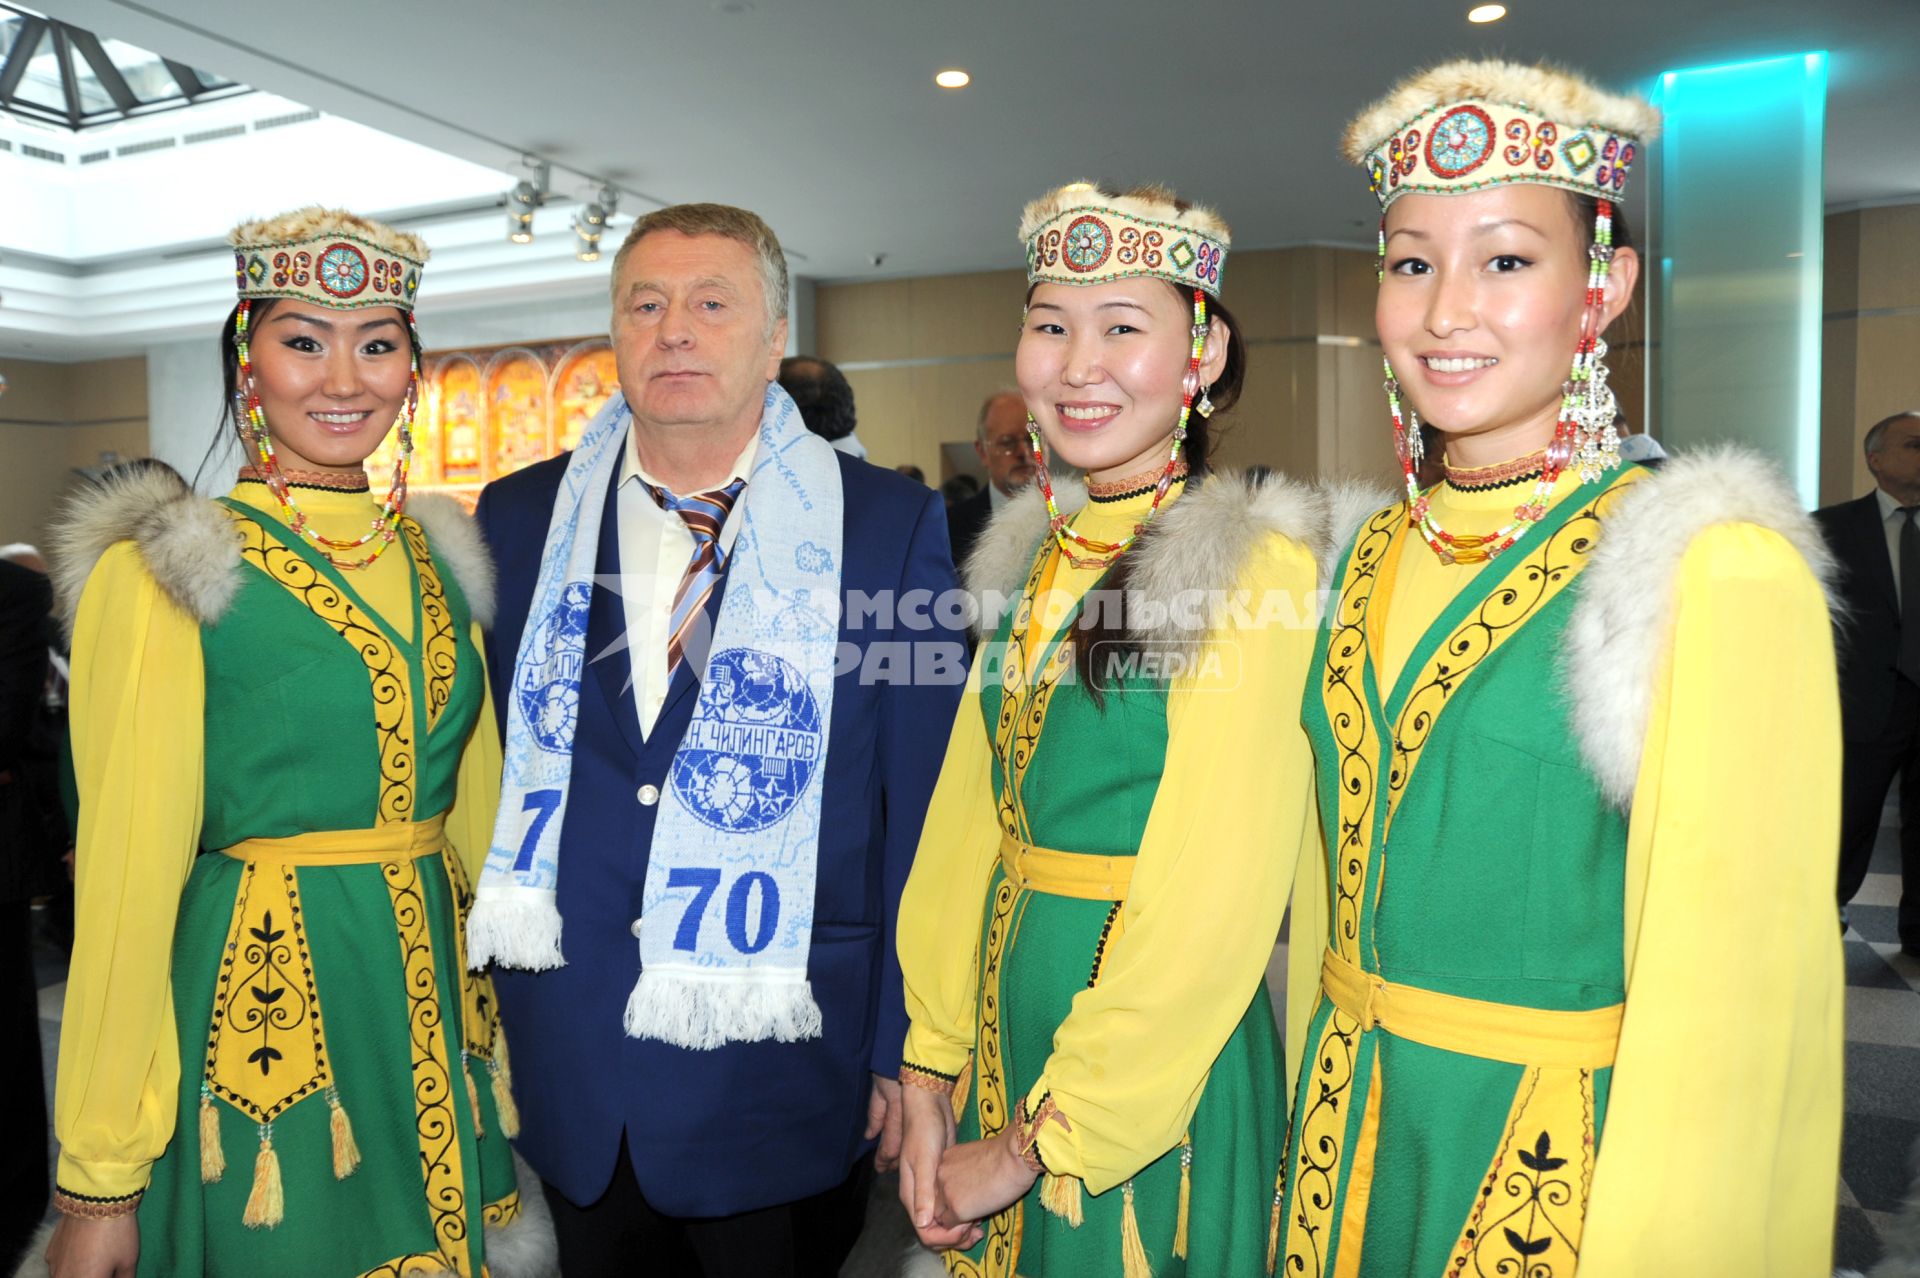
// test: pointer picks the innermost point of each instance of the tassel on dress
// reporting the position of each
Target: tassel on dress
(267, 1203)
(504, 1108)
(473, 1097)
(1273, 1228)
(1133, 1252)
(1186, 1197)
(213, 1158)
(1061, 1196)
(346, 1154)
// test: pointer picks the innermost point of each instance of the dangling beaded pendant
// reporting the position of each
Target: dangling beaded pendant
(1104, 553)
(386, 527)
(1585, 434)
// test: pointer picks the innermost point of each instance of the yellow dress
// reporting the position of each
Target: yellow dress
(1721, 1142)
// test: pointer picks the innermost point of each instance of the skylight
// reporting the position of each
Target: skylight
(62, 75)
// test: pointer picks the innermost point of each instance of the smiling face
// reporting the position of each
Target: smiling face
(691, 336)
(1102, 367)
(331, 382)
(1481, 308)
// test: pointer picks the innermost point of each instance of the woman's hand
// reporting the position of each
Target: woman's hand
(83, 1248)
(984, 1177)
(929, 1134)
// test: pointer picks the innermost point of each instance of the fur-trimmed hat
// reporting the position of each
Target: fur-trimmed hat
(1467, 125)
(328, 256)
(1083, 234)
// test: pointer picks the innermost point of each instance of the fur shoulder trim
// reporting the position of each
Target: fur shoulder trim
(1201, 546)
(1621, 620)
(455, 536)
(1350, 503)
(1002, 555)
(188, 543)
(1558, 93)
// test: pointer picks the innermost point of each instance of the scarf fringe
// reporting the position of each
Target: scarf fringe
(521, 931)
(702, 1014)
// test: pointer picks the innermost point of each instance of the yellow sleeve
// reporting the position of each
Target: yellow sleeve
(137, 709)
(939, 910)
(1215, 862)
(477, 794)
(1722, 1144)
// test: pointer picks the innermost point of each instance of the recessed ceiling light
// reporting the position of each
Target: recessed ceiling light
(1486, 13)
(953, 79)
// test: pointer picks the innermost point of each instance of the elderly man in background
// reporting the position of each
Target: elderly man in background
(1000, 441)
(1877, 541)
(686, 772)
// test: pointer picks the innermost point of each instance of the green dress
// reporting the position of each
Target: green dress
(1456, 1135)
(342, 1100)
(1093, 977)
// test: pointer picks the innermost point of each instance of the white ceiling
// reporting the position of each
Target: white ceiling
(822, 115)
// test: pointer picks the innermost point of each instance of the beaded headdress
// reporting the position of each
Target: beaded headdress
(340, 260)
(1469, 126)
(1080, 234)
(329, 257)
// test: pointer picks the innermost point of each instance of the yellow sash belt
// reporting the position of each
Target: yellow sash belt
(1492, 1031)
(1077, 874)
(400, 841)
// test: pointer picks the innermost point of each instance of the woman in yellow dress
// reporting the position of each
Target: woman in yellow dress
(1565, 986)
(1094, 1078)
(272, 1058)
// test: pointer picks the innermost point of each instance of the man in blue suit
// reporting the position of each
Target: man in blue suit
(748, 1159)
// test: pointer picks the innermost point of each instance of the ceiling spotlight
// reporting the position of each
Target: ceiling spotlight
(1486, 13)
(521, 202)
(953, 78)
(588, 224)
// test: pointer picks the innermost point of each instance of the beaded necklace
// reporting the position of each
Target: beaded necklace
(1102, 554)
(386, 527)
(1468, 548)
(1474, 479)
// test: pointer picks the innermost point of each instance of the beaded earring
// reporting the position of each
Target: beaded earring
(386, 527)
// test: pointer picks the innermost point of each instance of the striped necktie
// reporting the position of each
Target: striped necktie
(704, 514)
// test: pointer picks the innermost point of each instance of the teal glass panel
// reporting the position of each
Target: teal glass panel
(1738, 233)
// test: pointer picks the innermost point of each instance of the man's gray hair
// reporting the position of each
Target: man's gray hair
(724, 220)
(1877, 433)
(986, 407)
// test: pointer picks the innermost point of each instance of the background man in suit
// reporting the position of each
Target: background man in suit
(1877, 543)
(1000, 440)
(825, 400)
(746, 1160)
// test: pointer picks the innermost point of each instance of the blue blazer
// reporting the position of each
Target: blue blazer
(751, 1124)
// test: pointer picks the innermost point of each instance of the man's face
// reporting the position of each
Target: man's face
(1003, 446)
(690, 332)
(1897, 465)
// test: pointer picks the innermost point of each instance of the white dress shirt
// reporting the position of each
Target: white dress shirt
(1891, 521)
(655, 548)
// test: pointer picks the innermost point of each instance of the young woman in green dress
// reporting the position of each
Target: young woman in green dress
(272, 1058)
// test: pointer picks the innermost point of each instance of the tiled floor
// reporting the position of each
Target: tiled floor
(1883, 1082)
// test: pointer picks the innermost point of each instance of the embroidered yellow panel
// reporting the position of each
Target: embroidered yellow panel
(1024, 694)
(1529, 1214)
(503, 1212)
(392, 697)
(1344, 695)
(479, 1012)
(1315, 1174)
(420, 1262)
(439, 646)
(435, 1121)
(266, 1047)
(1002, 1243)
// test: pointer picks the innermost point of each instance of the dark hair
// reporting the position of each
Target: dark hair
(821, 393)
(232, 415)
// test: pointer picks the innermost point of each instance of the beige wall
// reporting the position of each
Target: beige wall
(1870, 337)
(54, 417)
